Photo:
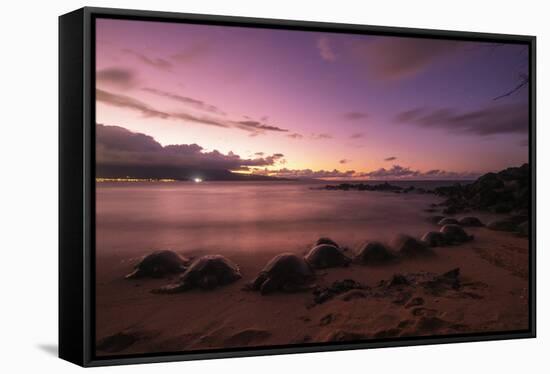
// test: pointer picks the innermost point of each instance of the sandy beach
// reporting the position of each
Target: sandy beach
(492, 293)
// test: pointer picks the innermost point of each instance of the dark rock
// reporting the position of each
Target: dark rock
(523, 229)
(502, 192)
(505, 224)
(322, 295)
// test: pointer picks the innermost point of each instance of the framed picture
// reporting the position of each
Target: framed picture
(237, 186)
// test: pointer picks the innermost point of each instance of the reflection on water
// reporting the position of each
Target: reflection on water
(232, 216)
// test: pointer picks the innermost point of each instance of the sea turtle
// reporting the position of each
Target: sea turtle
(435, 219)
(206, 272)
(285, 272)
(448, 221)
(455, 234)
(374, 253)
(411, 247)
(470, 222)
(326, 256)
(434, 239)
(325, 240)
(159, 264)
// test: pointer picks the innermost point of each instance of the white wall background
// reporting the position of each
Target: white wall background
(28, 184)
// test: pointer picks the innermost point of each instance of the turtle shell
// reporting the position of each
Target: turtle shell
(325, 240)
(448, 221)
(326, 256)
(455, 234)
(434, 239)
(284, 272)
(159, 264)
(408, 246)
(374, 253)
(206, 272)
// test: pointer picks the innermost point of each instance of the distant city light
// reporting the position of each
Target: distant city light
(197, 180)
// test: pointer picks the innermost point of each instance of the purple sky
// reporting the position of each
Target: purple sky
(327, 105)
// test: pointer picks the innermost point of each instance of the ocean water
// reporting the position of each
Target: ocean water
(224, 217)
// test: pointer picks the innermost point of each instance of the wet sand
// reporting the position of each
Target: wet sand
(493, 297)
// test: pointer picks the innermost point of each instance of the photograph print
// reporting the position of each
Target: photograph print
(267, 187)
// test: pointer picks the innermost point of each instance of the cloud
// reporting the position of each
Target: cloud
(398, 58)
(118, 77)
(120, 150)
(344, 161)
(391, 158)
(156, 62)
(122, 101)
(192, 53)
(354, 116)
(400, 172)
(259, 154)
(197, 104)
(491, 120)
(357, 135)
(325, 49)
(257, 126)
(321, 136)
(295, 136)
(305, 173)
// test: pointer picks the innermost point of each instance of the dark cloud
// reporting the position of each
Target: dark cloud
(354, 116)
(357, 135)
(117, 77)
(305, 173)
(259, 154)
(344, 161)
(491, 120)
(120, 150)
(391, 158)
(122, 101)
(400, 172)
(197, 104)
(257, 126)
(156, 62)
(397, 58)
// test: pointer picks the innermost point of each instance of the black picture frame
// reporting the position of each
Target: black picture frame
(77, 187)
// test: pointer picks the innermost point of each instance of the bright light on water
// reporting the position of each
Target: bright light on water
(197, 180)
